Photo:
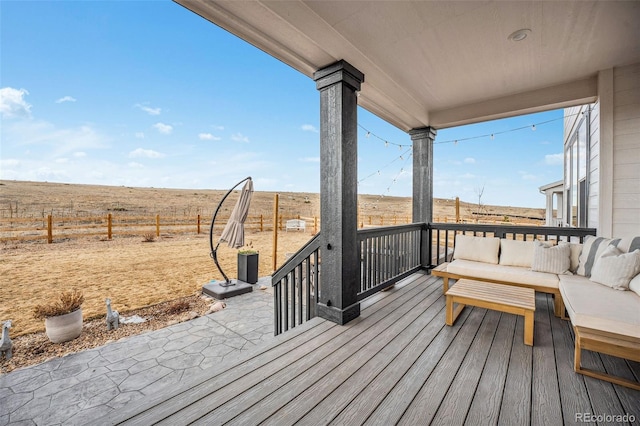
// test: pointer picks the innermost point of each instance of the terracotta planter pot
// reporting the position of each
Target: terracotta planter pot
(64, 327)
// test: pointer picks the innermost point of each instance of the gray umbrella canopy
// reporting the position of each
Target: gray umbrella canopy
(233, 232)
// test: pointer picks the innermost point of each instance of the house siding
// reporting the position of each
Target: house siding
(626, 151)
(614, 198)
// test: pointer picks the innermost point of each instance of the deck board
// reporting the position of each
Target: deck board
(545, 392)
(400, 364)
(517, 386)
(485, 408)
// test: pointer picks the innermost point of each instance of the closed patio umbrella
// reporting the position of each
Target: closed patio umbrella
(233, 232)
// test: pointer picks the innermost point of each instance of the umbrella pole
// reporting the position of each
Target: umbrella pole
(214, 250)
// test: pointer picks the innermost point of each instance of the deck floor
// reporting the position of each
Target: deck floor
(399, 364)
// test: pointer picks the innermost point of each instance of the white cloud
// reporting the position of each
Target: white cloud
(135, 165)
(239, 137)
(309, 159)
(145, 153)
(554, 159)
(9, 162)
(62, 160)
(470, 160)
(61, 141)
(163, 128)
(208, 137)
(149, 110)
(309, 128)
(139, 135)
(79, 154)
(527, 176)
(66, 99)
(467, 176)
(13, 104)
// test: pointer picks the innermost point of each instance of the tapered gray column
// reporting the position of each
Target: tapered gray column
(423, 185)
(423, 173)
(338, 84)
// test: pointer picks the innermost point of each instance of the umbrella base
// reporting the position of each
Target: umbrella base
(218, 290)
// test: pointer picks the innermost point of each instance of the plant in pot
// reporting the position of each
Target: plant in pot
(248, 265)
(62, 316)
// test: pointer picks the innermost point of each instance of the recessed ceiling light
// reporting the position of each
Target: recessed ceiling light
(519, 35)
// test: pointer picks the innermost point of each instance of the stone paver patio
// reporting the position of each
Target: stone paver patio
(78, 388)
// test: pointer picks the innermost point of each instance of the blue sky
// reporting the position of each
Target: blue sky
(146, 93)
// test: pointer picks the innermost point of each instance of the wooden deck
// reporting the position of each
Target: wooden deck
(399, 364)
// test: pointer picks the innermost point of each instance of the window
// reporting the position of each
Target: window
(575, 174)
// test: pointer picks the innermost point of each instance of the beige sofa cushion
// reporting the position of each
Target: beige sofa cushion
(516, 253)
(478, 249)
(576, 249)
(592, 305)
(513, 274)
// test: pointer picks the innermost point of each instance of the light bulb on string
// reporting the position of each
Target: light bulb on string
(368, 134)
(533, 127)
(492, 137)
(386, 144)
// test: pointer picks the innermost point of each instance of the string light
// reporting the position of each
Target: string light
(454, 141)
(488, 135)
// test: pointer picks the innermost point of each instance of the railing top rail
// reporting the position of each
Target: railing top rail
(306, 251)
(381, 230)
(517, 229)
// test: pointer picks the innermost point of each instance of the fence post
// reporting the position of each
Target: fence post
(280, 223)
(381, 220)
(198, 224)
(157, 225)
(395, 219)
(315, 225)
(457, 209)
(109, 226)
(49, 229)
(369, 220)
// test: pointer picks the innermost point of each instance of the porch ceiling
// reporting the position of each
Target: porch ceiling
(445, 63)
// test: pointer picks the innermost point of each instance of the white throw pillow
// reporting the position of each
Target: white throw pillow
(516, 253)
(634, 285)
(478, 249)
(554, 259)
(614, 268)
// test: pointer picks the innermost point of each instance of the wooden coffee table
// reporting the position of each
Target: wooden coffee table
(498, 297)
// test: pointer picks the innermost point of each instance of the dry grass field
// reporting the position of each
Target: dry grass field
(134, 273)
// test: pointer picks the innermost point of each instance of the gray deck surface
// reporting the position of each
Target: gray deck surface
(399, 364)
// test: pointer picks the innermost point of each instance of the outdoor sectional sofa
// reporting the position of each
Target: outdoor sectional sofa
(597, 282)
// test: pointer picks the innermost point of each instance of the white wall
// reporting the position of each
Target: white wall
(626, 151)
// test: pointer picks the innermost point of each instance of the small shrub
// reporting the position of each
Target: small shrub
(178, 306)
(148, 238)
(67, 302)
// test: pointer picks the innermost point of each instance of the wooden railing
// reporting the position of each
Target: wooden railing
(387, 255)
(296, 287)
